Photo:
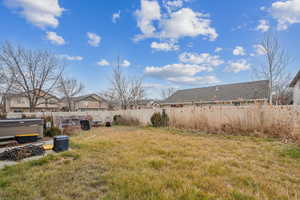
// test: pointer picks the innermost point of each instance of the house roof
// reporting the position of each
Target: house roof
(295, 80)
(23, 94)
(145, 101)
(94, 96)
(237, 91)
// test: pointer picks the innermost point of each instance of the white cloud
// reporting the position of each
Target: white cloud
(116, 16)
(172, 4)
(71, 58)
(40, 13)
(103, 62)
(186, 72)
(259, 49)
(263, 26)
(164, 46)
(198, 80)
(125, 63)
(175, 3)
(174, 70)
(203, 59)
(159, 86)
(55, 39)
(237, 66)
(239, 51)
(172, 25)
(286, 13)
(187, 23)
(150, 11)
(218, 49)
(94, 39)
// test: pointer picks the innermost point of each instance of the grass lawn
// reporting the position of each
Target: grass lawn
(147, 163)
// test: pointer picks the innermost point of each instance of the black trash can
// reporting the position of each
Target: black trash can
(61, 143)
(85, 125)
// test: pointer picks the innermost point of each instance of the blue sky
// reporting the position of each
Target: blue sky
(171, 43)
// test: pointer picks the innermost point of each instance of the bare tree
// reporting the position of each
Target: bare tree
(166, 93)
(136, 91)
(35, 72)
(126, 90)
(69, 88)
(110, 97)
(274, 67)
(6, 85)
(283, 94)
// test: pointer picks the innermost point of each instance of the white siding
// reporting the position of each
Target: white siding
(296, 93)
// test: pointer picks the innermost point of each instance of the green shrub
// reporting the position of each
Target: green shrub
(53, 131)
(160, 120)
(117, 119)
(3, 115)
(156, 119)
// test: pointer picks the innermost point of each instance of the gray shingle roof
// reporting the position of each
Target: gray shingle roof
(246, 91)
(295, 80)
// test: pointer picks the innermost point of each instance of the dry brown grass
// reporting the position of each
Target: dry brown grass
(159, 164)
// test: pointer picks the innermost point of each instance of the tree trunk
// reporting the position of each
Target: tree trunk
(31, 106)
(4, 110)
(270, 93)
(70, 105)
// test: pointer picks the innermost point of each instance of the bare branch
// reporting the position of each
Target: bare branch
(35, 72)
(274, 66)
(125, 90)
(69, 88)
(166, 93)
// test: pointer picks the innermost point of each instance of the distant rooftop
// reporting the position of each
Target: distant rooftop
(95, 96)
(229, 92)
(295, 80)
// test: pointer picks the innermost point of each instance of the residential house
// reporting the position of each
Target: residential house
(295, 85)
(144, 104)
(232, 94)
(2, 103)
(90, 102)
(20, 103)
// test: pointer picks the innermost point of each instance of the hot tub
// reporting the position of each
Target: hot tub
(21, 128)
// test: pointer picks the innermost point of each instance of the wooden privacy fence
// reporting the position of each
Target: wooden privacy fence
(275, 121)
